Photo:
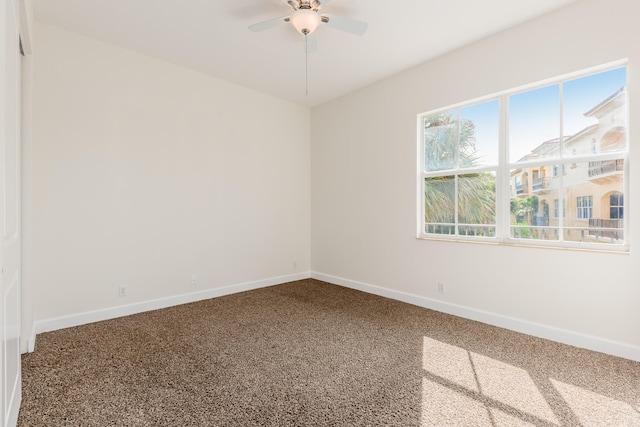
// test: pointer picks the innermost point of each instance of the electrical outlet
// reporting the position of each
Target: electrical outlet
(194, 279)
(122, 291)
(441, 288)
(295, 264)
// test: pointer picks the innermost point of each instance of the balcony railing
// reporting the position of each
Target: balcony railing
(599, 231)
(540, 220)
(540, 184)
(519, 189)
(602, 227)
(484, 230)
(605, 166)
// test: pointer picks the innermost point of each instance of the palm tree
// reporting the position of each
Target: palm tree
(440, 142)
(525, 209)
(448, 142)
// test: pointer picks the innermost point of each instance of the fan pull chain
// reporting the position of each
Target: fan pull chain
(306, 66)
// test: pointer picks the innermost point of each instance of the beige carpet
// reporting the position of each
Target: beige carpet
(309, 353)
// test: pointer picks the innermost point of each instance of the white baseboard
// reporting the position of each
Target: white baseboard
(140, 307)
(518, 325)
(31, 343)
(13, 408)
(28, 341)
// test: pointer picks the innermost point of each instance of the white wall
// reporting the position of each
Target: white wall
(10, 194)
(364, 189)
(142, 173)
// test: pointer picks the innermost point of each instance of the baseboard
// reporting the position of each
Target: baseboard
(28, 342)
(13, 408)
(53, 324)
(31, 343)
(518, 325)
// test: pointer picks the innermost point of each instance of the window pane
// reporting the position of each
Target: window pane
(590, 189)
(534, 215)
(440, 141)
(534, 124)
(535, 203)
(439, 205)
(534, 179)
(595, 113)
(477, 204)
(479, 134)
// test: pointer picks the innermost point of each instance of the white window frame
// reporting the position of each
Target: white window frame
(584, 207)
(503, 181)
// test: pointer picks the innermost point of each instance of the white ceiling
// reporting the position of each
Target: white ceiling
(211, 36)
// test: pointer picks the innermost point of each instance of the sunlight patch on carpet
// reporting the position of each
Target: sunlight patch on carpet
(594, 409)
(449, 362)
(461, 381)
(512, 386)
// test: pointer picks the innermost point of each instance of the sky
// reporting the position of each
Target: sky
(534, 115)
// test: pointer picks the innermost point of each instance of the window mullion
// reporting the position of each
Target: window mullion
(420, 225)
(457, 174)
(561, 192)
(503, 196)
(626, 192)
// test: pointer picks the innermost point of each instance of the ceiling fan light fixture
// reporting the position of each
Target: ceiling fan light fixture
(305, 21)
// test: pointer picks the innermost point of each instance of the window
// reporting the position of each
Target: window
(556, 208)
(616, 206)
(556, 169)
(460, 162)
(491, 170)
(584, 207)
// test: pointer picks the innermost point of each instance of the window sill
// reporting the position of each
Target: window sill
(489, 241)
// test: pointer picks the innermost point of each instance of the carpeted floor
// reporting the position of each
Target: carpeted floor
(309, 353)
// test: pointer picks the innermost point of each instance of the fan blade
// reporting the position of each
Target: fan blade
(265, 25)
(346, 24)
(294, 4)
(312, 43)
(321, 3)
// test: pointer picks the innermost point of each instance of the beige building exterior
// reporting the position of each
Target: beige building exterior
(584, 199)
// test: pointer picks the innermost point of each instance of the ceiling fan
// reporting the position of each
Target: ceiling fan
(306, 17)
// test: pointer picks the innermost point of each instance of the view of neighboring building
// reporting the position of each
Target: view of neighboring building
(584, 199)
